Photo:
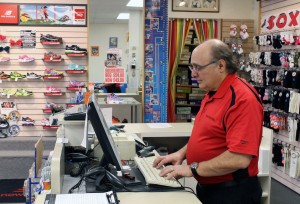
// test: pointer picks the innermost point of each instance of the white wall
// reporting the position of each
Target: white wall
(99, 36)
(228, 9)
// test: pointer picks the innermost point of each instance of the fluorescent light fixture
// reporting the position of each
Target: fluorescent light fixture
(123, 16)
(135, 3)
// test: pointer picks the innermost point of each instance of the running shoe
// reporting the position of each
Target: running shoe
(75, 83)
(33, 76)
(75, 67)
(114, 99)
(8, 92)
(52, 56)
(52, 89)
(64, 18)
(16, 75)
(50, 38)
(3, 75)
(52, 72)
(4, 59)
(23, 92)
(25, 58)
(74, 49)
(27, 121)
(45, 122)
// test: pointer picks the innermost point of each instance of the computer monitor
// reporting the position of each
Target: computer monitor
(110, 152)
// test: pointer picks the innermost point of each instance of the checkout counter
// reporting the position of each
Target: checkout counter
(71, 134)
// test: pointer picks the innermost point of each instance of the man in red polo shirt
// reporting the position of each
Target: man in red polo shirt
(222, 152)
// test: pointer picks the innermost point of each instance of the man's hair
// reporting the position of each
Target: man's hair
(220, 50)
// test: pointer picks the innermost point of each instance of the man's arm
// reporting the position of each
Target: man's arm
(225, 163)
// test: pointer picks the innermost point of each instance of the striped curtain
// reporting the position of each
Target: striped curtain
(178, 30)
(207, 29)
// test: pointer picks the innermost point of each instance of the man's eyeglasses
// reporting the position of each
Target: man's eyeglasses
(198, 68)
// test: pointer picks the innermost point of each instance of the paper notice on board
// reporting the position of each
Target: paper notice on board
(159, 125)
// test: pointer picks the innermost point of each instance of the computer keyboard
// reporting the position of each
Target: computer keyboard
(151, 174)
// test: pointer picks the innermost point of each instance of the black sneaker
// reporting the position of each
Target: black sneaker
(74, 49)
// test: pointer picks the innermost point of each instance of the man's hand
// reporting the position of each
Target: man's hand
(176, 171)
(174, 158)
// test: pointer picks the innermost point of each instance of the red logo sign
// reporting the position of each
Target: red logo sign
(79, 14)
(9, 14)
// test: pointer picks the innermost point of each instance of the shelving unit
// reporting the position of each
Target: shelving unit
(188, 94)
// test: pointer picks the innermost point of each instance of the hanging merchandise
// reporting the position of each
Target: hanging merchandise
(243, 32)
(233, 30)
(28, 38)
(14, 130)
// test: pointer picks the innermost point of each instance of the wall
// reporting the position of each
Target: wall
(99, 36)
(228, 9)
(32, 106)
(276, 7)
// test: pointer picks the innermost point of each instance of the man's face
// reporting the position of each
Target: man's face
(205, 70)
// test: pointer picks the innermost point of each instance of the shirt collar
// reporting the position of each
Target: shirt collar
(224, 86)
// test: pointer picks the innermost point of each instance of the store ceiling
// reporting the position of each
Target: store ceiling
(106, 11)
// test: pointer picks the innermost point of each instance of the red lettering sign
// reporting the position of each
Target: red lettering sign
(9, 14)
(79, 14)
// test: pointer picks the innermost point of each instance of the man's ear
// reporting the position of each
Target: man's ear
(222, 65)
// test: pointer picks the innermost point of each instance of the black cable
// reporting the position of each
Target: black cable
(77, 185)
(191, 190)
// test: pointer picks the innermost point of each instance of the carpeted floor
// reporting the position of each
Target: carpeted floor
(11, 191)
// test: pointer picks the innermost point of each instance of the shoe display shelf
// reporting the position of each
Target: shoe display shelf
(53, 60)
(53, 77)
(69, 105)
(51, 127)
(47, 110)
(75, 88)
(76, 54)
(75, 71)
(50, 43)
(54, 94)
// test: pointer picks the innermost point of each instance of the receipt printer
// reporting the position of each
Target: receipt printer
(125, 144)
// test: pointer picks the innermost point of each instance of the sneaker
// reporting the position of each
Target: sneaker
(51, 89)
(74, 49)
(33, 76)
(54, 107)
(75, 83)
(4, 59)
(28, 121)
(8, 92)
(50, 38)
(113, 98)
(64, 18)
(3, 75)
(45, 122)
(25, 58)
(75, 67)
(52, 56)
(16, 75)
(52, 72)
(23, 92)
